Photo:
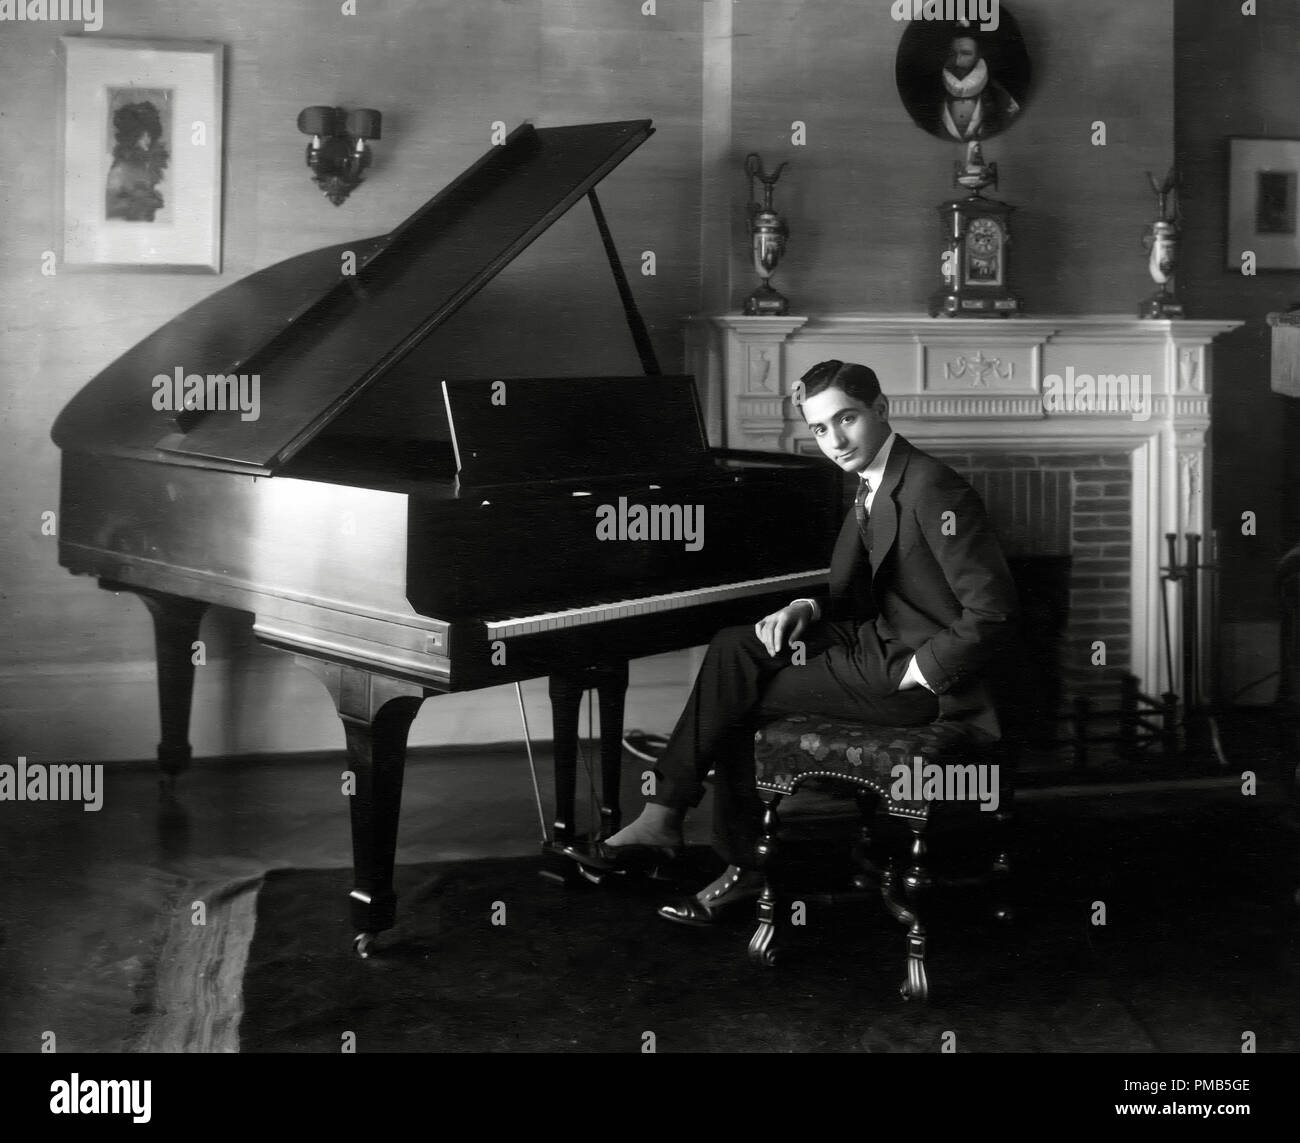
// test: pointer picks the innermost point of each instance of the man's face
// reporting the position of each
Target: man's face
(962, 56)
(845, 429)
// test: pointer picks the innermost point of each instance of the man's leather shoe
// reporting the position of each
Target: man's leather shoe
(629, 857)
(702, 912)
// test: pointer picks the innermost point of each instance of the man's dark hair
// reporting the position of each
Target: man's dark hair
(856, 380)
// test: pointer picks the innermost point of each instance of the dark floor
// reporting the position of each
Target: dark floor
(82, 894)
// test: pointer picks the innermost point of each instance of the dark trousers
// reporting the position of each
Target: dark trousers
(848, 672)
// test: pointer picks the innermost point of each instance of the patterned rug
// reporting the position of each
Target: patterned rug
(189, 994)
(1199, 946)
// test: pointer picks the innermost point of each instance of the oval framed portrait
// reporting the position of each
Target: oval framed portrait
(960, 82)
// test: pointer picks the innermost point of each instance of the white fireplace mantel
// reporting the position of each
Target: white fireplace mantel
(1000, 385)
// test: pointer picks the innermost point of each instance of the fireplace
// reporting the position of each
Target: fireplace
(1077, 508)
(1085, 437)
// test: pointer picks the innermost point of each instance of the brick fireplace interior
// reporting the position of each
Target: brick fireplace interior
(1078, 509)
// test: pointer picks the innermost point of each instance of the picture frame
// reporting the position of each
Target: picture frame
(962, 82)
(141, 154)
(1263, 203)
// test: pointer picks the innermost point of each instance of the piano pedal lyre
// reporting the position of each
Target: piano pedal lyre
(562, 872)
(565, 860)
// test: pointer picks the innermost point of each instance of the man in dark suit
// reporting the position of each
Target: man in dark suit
(919, 601)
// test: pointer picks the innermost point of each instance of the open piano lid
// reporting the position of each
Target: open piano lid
(316, 338)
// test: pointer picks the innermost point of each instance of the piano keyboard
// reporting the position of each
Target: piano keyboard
(793, 582)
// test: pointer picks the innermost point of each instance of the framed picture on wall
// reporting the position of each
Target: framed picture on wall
(140, 154)
(1262, 203)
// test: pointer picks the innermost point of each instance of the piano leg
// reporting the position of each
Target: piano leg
(377, 713)
(566, 691)
(611, 686)
(176, 623)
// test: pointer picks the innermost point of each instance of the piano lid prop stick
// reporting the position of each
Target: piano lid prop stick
(532, 766)
(636, 323)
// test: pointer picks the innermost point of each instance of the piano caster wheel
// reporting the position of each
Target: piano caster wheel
(364, 943)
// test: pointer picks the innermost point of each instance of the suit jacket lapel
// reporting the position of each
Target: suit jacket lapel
(884, 511)
(846, 558)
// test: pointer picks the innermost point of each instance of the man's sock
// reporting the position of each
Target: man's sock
(657, 825)
(730, 877)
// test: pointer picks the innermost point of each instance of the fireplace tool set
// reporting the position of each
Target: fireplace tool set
(1200, 730)
(1143, 721)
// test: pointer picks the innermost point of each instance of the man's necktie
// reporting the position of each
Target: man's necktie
(860, 511)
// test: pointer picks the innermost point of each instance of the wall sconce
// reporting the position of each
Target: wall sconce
(337, 153)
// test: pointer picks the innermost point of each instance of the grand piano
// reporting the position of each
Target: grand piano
(498, 542)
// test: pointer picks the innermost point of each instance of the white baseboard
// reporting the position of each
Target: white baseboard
(264, 703)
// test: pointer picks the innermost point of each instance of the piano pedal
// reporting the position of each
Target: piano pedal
(573, 877)
(666, 871)
(565, 864)
(591, 875)
(584, 868)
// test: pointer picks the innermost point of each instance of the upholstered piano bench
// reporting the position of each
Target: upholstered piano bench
(907, 773)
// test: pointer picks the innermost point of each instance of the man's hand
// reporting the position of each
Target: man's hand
(778, 630)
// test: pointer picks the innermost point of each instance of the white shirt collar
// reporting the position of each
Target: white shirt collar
(969, 85)
(875, 471)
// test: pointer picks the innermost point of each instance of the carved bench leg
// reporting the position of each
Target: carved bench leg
(915, 882)
(1003, 909)
(761, 950)
(869, 875)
